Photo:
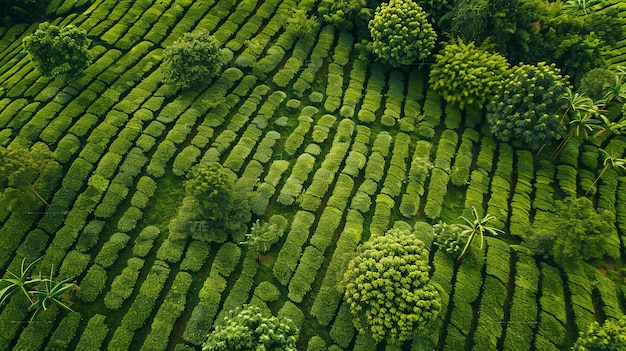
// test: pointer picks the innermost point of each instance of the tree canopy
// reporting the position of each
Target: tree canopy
(248, 328)
(401, 33)
(211, 184)
(192, 60)
(527, 106)
(610, 336)
(57, 51)
(575, 231)
(388, 289)
(20, 168)
(467, 75)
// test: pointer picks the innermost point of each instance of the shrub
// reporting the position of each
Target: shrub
(211, 185)
(57, 51)
(466, 74)
(575, 231)
(344, 14)
(94, 334)
(192, 60)
(401, 33)
(449, 238)
(248, 328)
(387, 287)
(302, 25)
(526, 108)
(610, 336)
(92, 284)
(263, 235)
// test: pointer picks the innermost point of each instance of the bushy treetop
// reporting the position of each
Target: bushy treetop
(192, 60)
(248, 328)
(401, 33)
(211, 184)
(387, 287)
(467, 75)
(611, 336)
(57, 51)
(527, 106)
(575, 231)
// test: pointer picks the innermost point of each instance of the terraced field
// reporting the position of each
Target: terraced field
(316, 134)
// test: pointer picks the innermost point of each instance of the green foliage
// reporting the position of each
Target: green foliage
(466, 74)
(387, 287)
(301, 25)
(192, 60)
(401, 33)
(20, 168)
(211, 185)
(575, 231)
(263, 235)
(344, 14)
(449, 237)
(592, 83)
(610, 336)
(248, 329)
(526, 108)
(57, 51)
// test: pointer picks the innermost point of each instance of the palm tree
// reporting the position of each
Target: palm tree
(616, 90)
(50, 295)
(19, 283)
(583, 117)
(609, 162)
(584, 6)
(476, 226)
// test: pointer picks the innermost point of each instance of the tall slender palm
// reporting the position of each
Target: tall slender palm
(609, 162)
(476, 226)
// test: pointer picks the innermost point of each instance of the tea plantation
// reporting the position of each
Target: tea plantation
(326, 145)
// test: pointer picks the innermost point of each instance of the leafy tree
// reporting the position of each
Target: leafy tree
(20, 168)
(401, 33)
(211, 184)
(466, 74)
(476, 226)
(57, 51)
(344, 14)
(611, 336)
(301, 24)
(387, 287)
(192, 60)
(449, 237)
(527, 106)
(616, 88)
(575, 231)
(22, 11)
(248, 329)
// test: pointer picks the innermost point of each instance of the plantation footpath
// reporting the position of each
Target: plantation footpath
(282, 180)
